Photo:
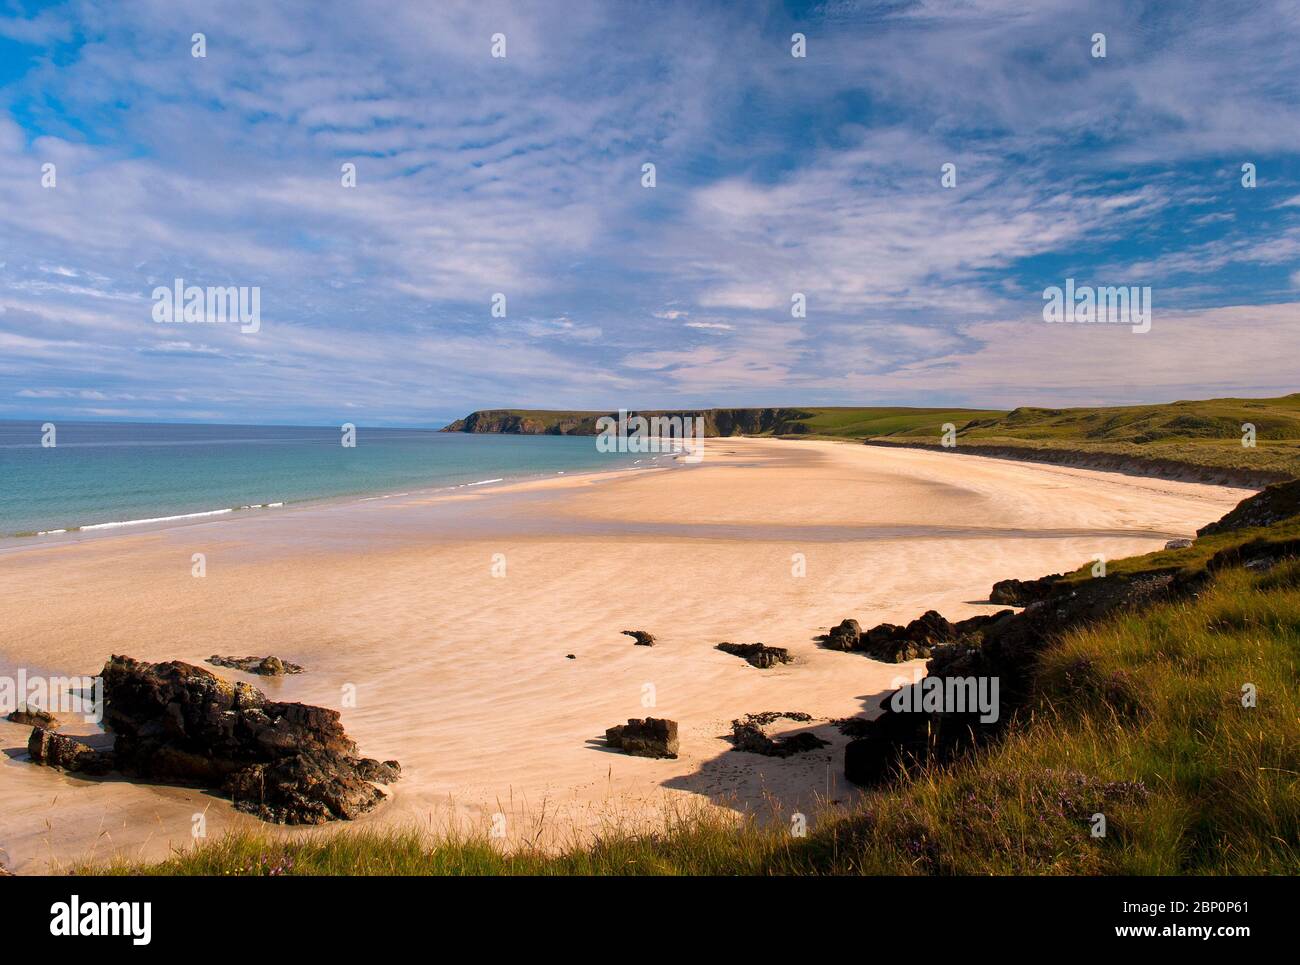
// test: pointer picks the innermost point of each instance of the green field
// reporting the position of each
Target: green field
(1206, 433)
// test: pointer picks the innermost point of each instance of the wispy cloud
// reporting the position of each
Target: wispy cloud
(522, 176)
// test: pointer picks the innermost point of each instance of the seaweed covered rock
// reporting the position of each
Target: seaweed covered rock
(749, 733)
(642, 638)
(285, 762)
(757, 654)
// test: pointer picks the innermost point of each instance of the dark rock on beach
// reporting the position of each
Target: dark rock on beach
(265, 666)
(844, 636)
(891, 643)
(285, 762)
(33, 717)
(67, 754)
(642, 638)
(652, 737)
(1023, 592)
(757, 654)
(749, 734)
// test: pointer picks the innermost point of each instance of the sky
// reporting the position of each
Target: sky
(523, 175)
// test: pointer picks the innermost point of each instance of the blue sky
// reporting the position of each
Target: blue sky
(522, 175)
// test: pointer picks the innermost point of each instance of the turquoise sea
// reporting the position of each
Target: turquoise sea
(103, 474)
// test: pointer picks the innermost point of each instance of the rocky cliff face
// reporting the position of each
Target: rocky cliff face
(717, 422)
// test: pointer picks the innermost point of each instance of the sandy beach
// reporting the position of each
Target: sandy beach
(461, 673)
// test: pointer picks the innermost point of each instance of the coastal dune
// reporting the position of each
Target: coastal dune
(449, 618)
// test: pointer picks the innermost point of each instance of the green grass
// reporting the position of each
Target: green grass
(1139, 718)
(1203, 433)
(866, 423)
(1196, 556)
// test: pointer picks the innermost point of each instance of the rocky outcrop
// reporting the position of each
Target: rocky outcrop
(511, 422)
(642, 638)
(891, 643)
(749, 733)
(65, 753)
(285, 762)
(1004, 646)
(1023, 592)
(1273, 505)
(757, 654)
(265, 666)
(33, 717)
(652, 737)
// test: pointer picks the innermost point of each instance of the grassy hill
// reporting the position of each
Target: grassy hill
(1202, 434)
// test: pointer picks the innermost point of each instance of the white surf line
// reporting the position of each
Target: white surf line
(159, 519)
(156, 519)
(368, 499)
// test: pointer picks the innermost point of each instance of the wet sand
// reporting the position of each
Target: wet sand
(462, 675)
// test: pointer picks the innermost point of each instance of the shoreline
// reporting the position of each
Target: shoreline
(462, 676)
(23, 539)
(1162, 469)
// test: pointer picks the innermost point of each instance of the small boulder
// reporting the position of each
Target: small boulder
(757, 654)
(1181, 543)
(845, 636)
(642, 638)
(66, 754)
(652, 737)
(33, 717)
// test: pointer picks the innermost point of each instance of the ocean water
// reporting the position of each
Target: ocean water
(103, 474)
